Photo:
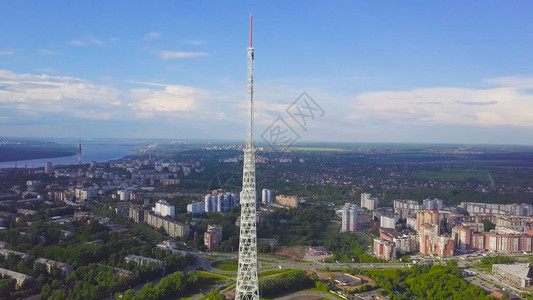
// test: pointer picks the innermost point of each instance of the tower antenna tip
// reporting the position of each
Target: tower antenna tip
(251, 19)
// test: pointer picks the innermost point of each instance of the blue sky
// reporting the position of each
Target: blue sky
(382, 71)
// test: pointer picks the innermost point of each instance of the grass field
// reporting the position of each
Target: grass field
(273, 272)
(226, 265)
(217, 277)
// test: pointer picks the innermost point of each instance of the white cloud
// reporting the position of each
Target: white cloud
(513, 81)
(173, 98)
(179, 54)
(76, 43)
(45, 70)
(508, 105)
(153, 35)
(96, 41)
(47, 52)
(88, 41)
(31, 94)
(6, 52)
(194, 42)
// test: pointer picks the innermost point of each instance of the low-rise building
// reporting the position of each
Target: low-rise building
(317, 251)
(65, 268)
(6, 252)
(19, 277)
(289, 201)
(520, 275)
(144, 260)
(172, 228)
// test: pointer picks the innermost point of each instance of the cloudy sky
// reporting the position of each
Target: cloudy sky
(381, 71)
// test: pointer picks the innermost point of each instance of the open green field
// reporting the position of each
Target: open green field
(273, 272)
(226, 265)
(210, 275)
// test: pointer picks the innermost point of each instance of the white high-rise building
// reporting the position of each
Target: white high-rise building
(164, 209)
(349, 217)
(267, 196)
(220, 202)
(49, 169)
(196, 208)
(368, 202)
(387, 221)
(124, 195)
(432, 204)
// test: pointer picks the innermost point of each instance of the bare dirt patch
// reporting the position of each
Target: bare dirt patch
(294, 253)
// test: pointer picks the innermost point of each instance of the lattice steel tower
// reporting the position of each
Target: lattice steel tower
(247, 283)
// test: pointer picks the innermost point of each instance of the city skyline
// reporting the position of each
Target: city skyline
(383, 72)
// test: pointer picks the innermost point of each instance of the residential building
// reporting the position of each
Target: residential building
(219, 202)
(520, 275)
(411, 222)
(517, 209)
(65, 268)
(163, 208)
(444, 246)
(6, 252)
(49, 169)
(144, 260)
(172, 228)
(349, 217)
(368, 202)
(428, 236)
(195, 208)
(387, 221)
(289, 201)
(427, 217)
(19, 277)
(468, 239)
(384, 249)
(136, 213)
(169, 181)
(406, 243)
(124, 195)
(84, 194)
(213, 236)
(432, 204)
(267, 195)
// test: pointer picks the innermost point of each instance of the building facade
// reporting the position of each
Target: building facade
(172, 228)
(387, 221)
(520, 275)
(195, 208)
(384, 249)
(213, 236)
(289, 201)
(368, 202)
(219, 202)
(267, 196)
(349, 217)
(163, 208)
